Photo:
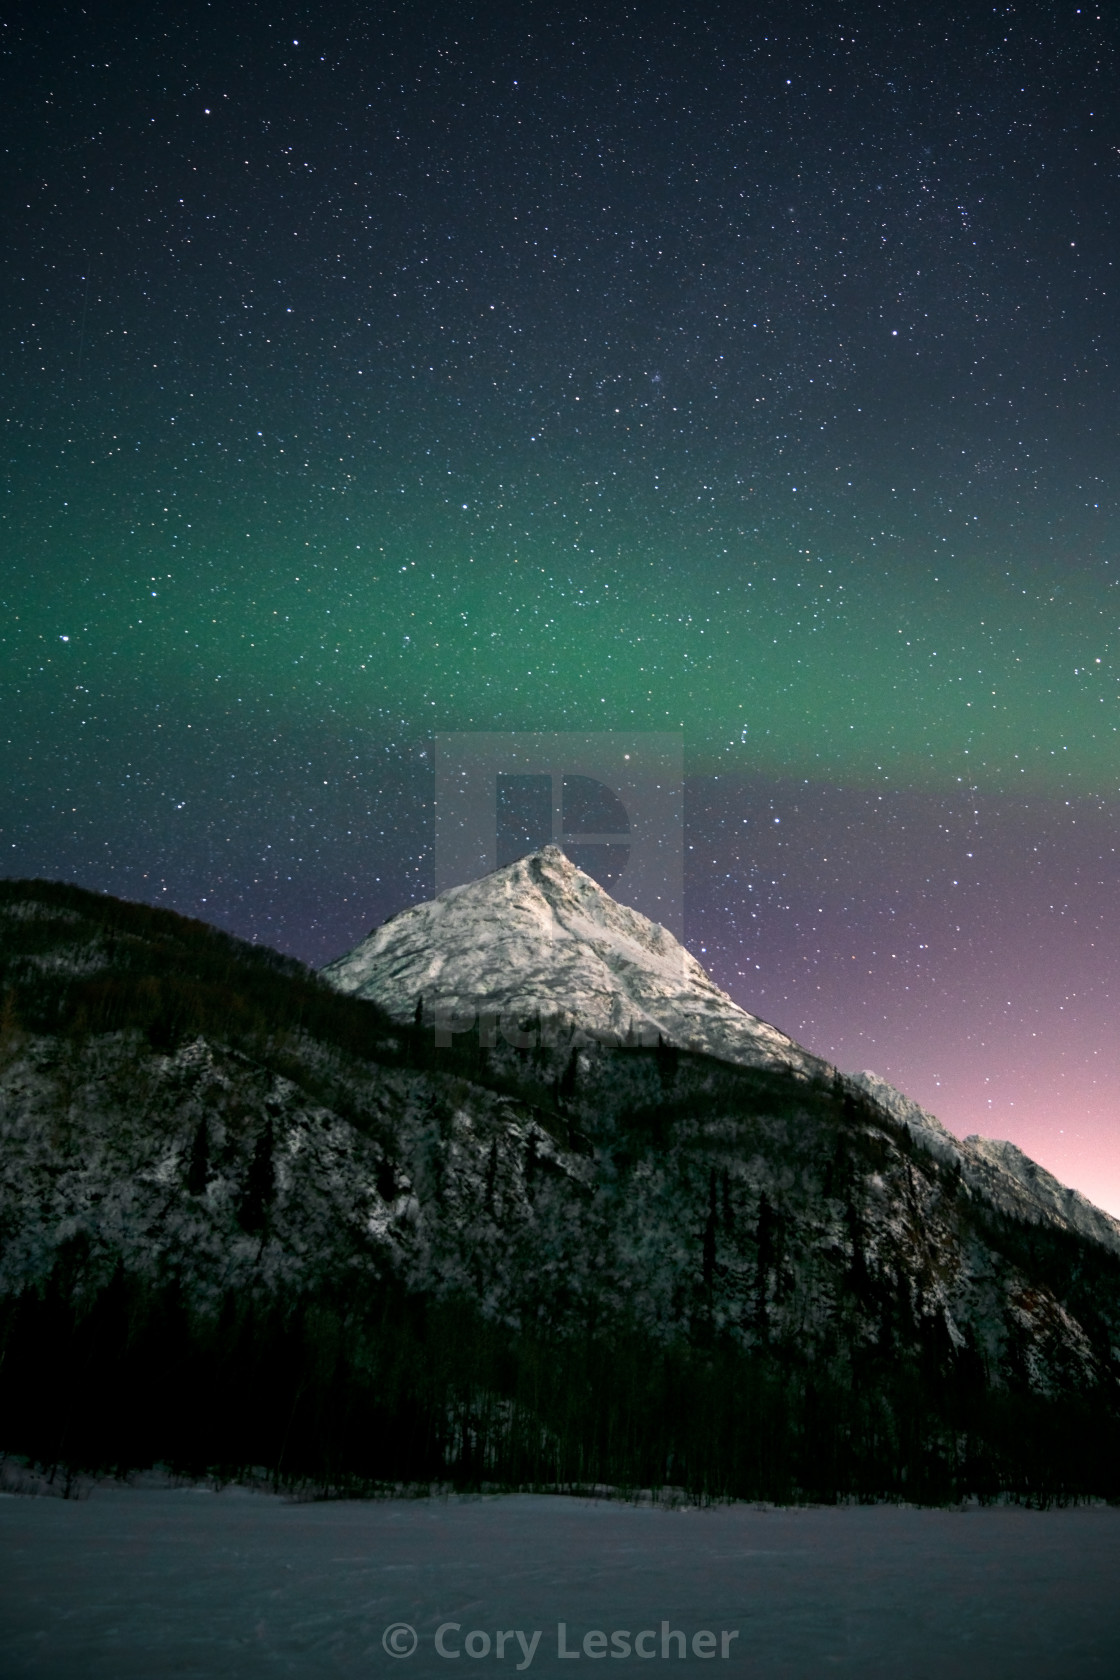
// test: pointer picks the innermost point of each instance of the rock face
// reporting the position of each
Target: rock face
(258, 1212)
(538, 947)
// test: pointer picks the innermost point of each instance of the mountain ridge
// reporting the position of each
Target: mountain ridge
(271, 1225)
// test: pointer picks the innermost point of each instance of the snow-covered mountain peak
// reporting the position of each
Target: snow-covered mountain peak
(539, 938)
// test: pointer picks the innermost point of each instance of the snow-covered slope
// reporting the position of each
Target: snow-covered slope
(540, 938)
(921, 1124)
(1000, 1172)
(1020, 1184)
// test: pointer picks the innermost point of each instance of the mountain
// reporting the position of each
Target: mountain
(625, 1233)
(538, 947)
(539, 952)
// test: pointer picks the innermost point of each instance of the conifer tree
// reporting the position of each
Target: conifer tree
(198, 1168)
(260, 1185)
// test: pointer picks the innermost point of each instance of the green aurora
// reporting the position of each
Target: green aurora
(818, 661)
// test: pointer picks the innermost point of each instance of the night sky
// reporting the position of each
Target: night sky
(752, 371)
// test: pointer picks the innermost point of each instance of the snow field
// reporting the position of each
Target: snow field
(159, 1584)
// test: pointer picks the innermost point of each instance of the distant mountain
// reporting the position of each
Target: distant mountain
(617, 1230)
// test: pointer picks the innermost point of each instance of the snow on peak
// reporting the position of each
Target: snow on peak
(541, 939)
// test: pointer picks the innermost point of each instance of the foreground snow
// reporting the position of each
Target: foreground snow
(157, 1584)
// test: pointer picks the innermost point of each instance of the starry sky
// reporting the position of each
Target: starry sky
(372, 371)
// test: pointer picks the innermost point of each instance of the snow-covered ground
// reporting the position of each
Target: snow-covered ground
(156, 1584)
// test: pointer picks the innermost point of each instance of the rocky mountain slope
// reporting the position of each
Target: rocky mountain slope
(248, 1219)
